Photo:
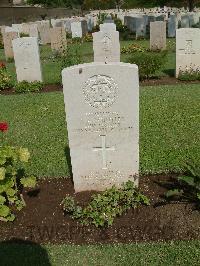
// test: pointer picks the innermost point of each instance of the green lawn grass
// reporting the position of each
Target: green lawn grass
(169, 128)
(154, 254)
(51, 66)
(169, 135)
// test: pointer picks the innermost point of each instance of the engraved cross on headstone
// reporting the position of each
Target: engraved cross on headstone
(189, 49)
(104, 149)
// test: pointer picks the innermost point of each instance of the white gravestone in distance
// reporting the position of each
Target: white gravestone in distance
(157, 35)
(102, 108)
(106, 44)
(27, 59)
(8, 37)
(187, 50)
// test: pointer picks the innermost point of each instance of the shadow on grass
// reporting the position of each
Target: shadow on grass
(68, 158)
(169, 72)
(17, 252)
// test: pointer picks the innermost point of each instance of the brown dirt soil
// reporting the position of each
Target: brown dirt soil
(42, 220)
(150, 82)
(166, 81)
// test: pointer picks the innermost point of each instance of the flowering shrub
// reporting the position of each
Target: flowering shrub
(1, 41)
(148, 62)
(189, 75)
(88, 38)
(25, 86)
(3, 126)
(12, 178)
(5, 78)
(133, 48)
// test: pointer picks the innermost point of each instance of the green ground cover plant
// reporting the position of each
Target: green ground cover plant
(104, 207)
(187, 187)
(25, 86)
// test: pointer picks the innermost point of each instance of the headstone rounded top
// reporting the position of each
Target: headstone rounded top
(108, 19)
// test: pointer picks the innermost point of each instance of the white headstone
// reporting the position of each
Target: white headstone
(187, 50)
(157, 35)
(172, 26)
(102, 107)
(79, 29)
(27, 59)
(140, 27)
(185, 21)
(106, 44)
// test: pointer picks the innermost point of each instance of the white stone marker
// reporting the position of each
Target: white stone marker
(157, 35)
(106, 44)
(27, 59)
(102, 108)
(8, 37)
(187, 50)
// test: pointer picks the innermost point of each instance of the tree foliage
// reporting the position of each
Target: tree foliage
(107, 4)
(56, 3)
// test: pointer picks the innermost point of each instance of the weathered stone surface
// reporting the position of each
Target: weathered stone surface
(157, 35)
(27, 59)
(106, 44)
(187, 50)
(44, 31)
(102, 108)
(79, 29)
(185, 21)
(58, 39)
(140, 27)
(7, 41)
(172, 26)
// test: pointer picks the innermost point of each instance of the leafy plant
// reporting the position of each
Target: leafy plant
(76, 40)
(25, 86)
(132, 48)
(148, 62)
(189, 75)
(188, 186)
(12, 180)
(103, 208)
(5, 78)
(1, 41)
(71, 56)
(88, 38)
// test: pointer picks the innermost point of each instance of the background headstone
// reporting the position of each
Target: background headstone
(187, 50)
(7, 41)
(172, 26)
(27, 59)
(106, 45)
(157, 35)
(58, 39)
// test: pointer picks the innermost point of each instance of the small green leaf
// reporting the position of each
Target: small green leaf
(174, 192)
(2, 200)
(4, 211)
(190, 180)
(28, 181)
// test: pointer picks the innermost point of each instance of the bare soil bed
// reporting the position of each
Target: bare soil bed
(43, 221)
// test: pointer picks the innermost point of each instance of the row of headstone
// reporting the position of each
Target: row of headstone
(187, 50)
(104, 129)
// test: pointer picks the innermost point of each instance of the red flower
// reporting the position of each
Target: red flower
(2, 65)
(3, 126)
